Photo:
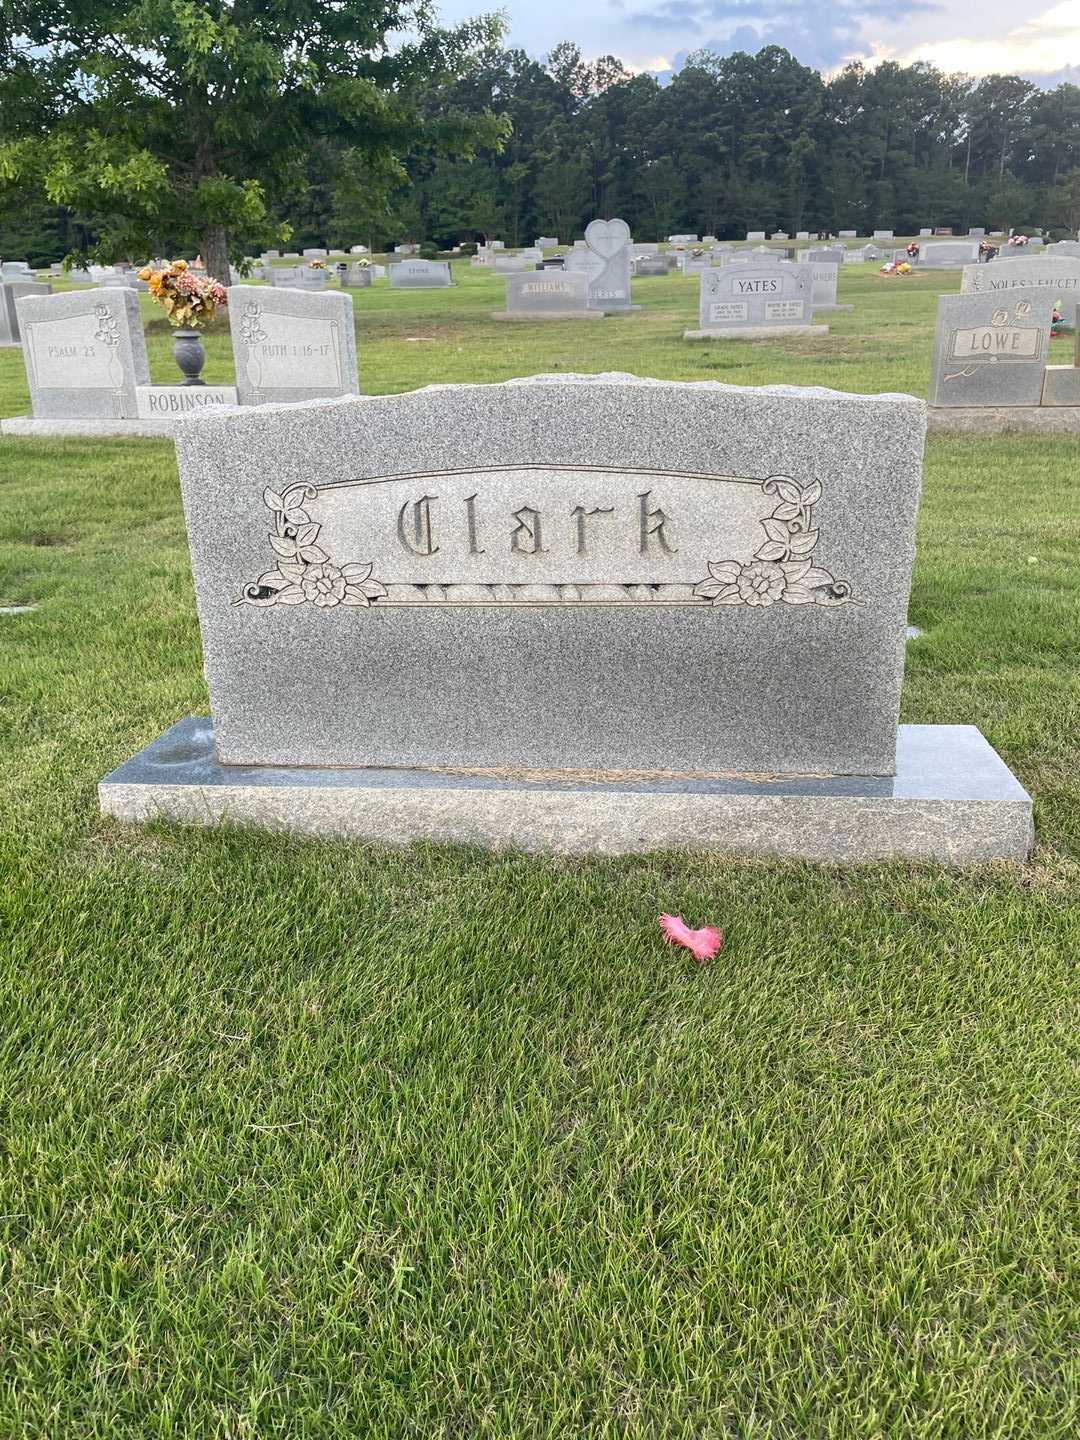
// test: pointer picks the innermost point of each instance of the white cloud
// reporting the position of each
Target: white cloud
(1044, 44)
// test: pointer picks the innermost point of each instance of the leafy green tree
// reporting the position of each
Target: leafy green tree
(197, 119)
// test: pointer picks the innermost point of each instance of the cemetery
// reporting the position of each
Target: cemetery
(542, 876)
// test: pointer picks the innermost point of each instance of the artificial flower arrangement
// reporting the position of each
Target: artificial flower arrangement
(190, 301)
(316, 265)
(896, 267)
(1017, 240)
(1056, 326)
(362, 263)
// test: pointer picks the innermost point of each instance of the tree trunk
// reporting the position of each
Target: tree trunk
(215, 253)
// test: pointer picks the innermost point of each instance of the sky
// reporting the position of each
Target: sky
(987, 37)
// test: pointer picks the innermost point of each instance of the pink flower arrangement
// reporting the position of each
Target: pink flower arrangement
(186, 298)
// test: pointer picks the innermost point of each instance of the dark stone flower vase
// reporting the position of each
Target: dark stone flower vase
(189, 355)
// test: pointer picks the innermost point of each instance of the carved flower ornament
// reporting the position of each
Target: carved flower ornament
(782, 569)
(304, 574)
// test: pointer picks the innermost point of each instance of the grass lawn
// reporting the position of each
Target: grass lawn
(313, 1139)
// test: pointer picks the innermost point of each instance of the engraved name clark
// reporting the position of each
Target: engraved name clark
(781, 570)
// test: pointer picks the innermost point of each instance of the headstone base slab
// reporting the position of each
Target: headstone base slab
(549, 315)
(1061, 385)
(92, 429)
(1004, 419)
(756, 332)
(832, 309)
(953, 801)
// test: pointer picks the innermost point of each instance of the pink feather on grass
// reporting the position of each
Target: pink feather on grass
(703, 944)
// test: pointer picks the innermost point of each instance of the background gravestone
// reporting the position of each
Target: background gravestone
(609, 283)
(823, 280)
(548, 295)
(288, 345)
(421, 275)
(84, 352)
(1058, 275)
(751, 301)
(948, 253)
(12, 291)
(990, 350)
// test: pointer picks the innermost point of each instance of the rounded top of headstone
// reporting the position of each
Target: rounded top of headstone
(607, 237)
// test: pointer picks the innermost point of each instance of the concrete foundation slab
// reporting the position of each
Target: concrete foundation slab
(88, 428)
(1000, 420)
(756, 332)
(550, 315)
(952, 800)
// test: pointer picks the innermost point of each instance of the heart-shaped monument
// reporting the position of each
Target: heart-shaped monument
(607, 237)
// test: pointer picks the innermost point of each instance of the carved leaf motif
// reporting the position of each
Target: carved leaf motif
(726, 570)
(273, 580)
(816, 577)
(789, 544)
(789, 491)
(299, 577)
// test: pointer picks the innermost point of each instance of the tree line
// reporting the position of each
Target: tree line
(134, 127)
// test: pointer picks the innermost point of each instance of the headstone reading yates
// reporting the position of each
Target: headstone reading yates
(754, 302)
(990, 350)
(290, 346)
(415, 608)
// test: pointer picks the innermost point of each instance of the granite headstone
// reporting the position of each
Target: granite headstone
(85, 353)
(289, 345)
(990, 350)
(1059, 275)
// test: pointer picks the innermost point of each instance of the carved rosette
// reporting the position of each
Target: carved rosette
(782, 569)
(305, 574)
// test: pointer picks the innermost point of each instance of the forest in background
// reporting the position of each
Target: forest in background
(731, 143)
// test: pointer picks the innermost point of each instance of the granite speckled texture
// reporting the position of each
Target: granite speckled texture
(654, 636)
(85, 353)
(952, 800)
(990, 349)
(1061, 385)
(291, 345)
(1005, 420)
(1058, 274)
